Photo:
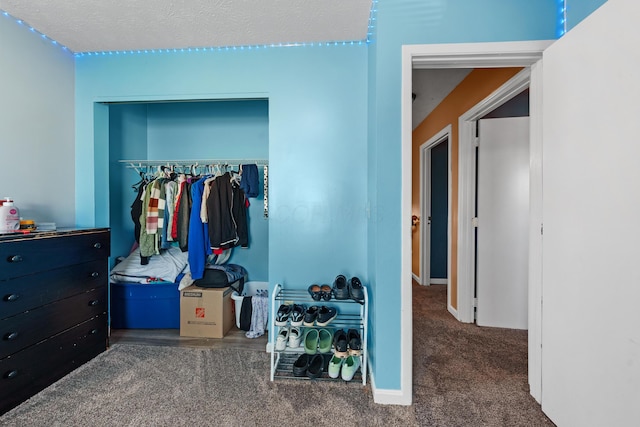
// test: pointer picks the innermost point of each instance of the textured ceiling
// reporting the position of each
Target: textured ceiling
(116, 25)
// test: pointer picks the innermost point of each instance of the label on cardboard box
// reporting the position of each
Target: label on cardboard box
(205, 312)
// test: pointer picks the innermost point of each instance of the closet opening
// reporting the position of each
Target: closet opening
(194, 132)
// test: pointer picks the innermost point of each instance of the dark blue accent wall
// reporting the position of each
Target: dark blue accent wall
(439, 209)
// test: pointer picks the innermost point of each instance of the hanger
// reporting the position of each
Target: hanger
(143, 180)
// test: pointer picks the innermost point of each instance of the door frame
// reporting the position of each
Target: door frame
(473, 55)
(425, 204)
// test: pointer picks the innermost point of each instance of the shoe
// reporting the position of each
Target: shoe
(340, 342)
(297, 315)
(340, 289)
(356, 292)
(316, 366)
(283, 337)
(325, 337)
(295, 336)
(326, 292)
(283, 314)
(349, 367)
(311, 341)
(310, 315)
(326, 315)
(315, 291)
(355, 343)
(301, 365)
(334, 366)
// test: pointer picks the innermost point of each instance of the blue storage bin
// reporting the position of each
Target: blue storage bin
(145, 306)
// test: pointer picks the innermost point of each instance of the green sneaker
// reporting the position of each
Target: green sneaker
(334, 366)
(350, 366)
(325, 339)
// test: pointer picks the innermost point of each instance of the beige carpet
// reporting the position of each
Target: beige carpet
(463, 376)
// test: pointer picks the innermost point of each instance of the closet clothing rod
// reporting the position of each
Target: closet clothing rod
(199, 162)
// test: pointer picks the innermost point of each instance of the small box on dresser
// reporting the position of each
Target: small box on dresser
(53, 307)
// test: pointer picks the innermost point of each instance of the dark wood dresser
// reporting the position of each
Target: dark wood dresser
(53, 307)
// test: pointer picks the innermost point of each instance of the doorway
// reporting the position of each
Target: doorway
(473, 55)
(435, 193)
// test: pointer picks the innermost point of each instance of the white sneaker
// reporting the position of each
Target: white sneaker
(283, 337)
(295, 336)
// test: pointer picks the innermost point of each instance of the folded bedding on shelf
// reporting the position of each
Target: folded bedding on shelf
(162, 268)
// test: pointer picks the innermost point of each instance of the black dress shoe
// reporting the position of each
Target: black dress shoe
(301, 365)
(316, 366)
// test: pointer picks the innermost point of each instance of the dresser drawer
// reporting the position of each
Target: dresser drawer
(28, 292)
(33, 326)
(26, 373)
(29, 256)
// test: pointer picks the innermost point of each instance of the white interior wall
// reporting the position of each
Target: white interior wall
(591, 320)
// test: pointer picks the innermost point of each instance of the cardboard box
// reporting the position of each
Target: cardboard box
(205, 312)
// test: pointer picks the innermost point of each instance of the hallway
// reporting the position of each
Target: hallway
(467, 375)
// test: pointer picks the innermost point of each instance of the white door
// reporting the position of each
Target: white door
(502, 249)
(591, 215)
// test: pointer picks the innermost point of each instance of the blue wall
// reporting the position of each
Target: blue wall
(36, 124)
(317, 106)
(419, 22)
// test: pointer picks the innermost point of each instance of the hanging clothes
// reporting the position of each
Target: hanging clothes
(153, 218)
(226, 207)
(199, 246)
(184, 214)
(249, 182)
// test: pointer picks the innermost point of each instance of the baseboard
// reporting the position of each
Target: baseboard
(431, 281)
(453, 311)
(387, 397)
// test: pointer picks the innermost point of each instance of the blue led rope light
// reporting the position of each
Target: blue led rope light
(33, 30)
(373, 16)
(562, 18)
(366, 41)
(222, 48)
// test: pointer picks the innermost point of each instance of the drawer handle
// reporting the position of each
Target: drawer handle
(95, 274)
(11, 374)
(12, 297)
(15, 258)
(97, 245)
(11, 336)
(93, 332)
(94, 302)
